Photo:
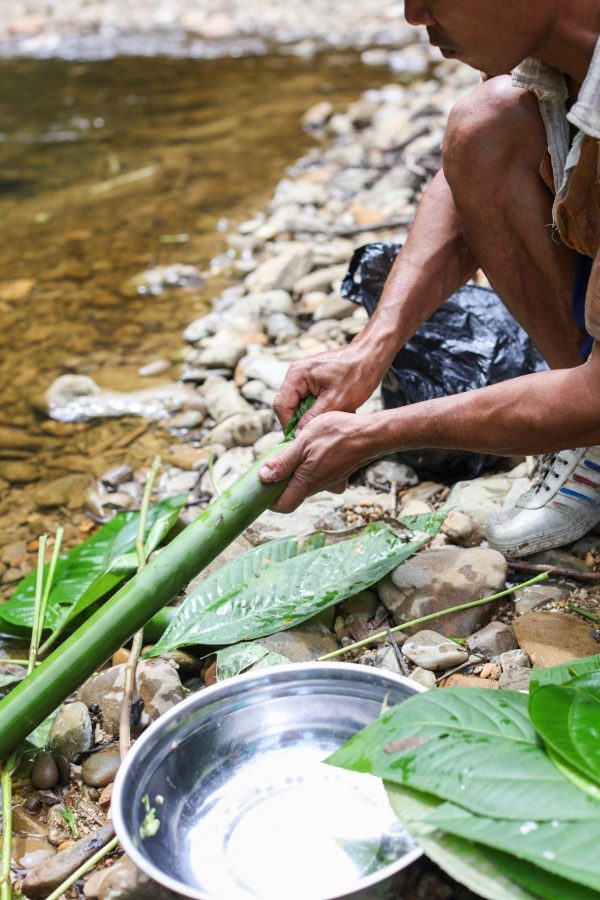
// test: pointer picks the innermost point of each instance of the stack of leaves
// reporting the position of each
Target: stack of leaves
(500, 789)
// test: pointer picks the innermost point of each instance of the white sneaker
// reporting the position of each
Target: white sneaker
(562, 504)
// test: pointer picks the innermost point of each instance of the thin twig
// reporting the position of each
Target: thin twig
(445, 612)
(138, 638)
(520, 565)
(585, 613)
(211, 475)
(398, 652)
(5, 661)
(37, 605)
(84, 869)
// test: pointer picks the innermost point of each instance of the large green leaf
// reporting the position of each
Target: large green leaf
(87, 572)
(281, 584)
(568, 719)
(564, 672)
(472, 746)
(566, 848)
(466, 862)
(544, 884)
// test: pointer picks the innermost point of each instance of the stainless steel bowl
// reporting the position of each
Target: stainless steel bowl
(247, 809)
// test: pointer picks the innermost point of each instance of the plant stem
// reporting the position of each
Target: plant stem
(7, 773)
(585, 613)
(138, 639)
(445, 612)
(521, 565)
(83, 869)
(37, 608)
(14, 662)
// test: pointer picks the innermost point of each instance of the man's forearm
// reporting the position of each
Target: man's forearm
(434, 263)
(533, 414)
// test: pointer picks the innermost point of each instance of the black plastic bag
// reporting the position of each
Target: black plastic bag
(469, 342)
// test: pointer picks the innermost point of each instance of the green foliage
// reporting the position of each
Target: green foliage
(242, 657)
(281, 584)
(500, 810)
(89, 571)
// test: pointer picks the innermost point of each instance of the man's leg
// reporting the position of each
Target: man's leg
(494, 145)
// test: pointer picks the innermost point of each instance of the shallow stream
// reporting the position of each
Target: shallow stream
(205, 140)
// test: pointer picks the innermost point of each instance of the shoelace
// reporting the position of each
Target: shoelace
(544, 467)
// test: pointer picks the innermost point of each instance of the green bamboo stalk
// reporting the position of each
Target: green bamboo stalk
(438, 615)
(7, 773)
(128, 610)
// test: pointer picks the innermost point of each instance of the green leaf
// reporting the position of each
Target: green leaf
(568, 718)
(566, 848)
(239, 658)
(7, 678)
(574, 775)
(472, 746)
(281, 584)
(466, 862)
(38, 738)
(542, 883)
(301, 409)
(86, 573)
(564, 672)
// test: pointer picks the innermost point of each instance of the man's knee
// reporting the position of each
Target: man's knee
(488, 129)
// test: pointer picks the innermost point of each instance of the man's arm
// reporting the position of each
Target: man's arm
(536, 413)
(434, 263)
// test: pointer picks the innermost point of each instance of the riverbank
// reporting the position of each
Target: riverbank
(200, 28)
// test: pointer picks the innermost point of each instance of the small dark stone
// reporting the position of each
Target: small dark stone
(34, 804)
(64, 769)
(135, 715)
(44, 773)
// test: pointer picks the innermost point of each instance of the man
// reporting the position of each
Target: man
(518, 197)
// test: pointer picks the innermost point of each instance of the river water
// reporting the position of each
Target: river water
(205, 140)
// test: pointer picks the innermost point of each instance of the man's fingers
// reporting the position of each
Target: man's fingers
(339, 487)
(292, 391)
(280, 467)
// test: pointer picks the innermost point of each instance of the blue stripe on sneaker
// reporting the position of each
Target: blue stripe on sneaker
(578, 495)
(591, 465)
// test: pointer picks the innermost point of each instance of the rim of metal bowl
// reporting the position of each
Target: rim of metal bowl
(209, 694)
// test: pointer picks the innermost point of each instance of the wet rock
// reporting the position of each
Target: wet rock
(117, 476)
(42, 880)
(268, 369)
(553, 638)
(154, 281)
(66, 491)
(318, 115)
(462, 530)
(424, 677)
(155, 367)
(17, 290)
(77, 398)
(223, 399)
(100, 769)
(482, 497)
(44, 773)
(435, 580)
(281, 329)
(281, 271)
(32, 858)
(17, 471)
(494, 639)
(71, 731)
(189, 418)
(58, 828)
(433, 651)
(516, 678)
(302, 643)
(221, 351)
(25, 824)
(239, 430)
(385, 472)
(529, 598)
(157, 683)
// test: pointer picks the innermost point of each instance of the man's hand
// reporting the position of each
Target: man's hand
(338, 379)
(322, 456)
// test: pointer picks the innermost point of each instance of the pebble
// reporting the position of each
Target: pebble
(530, 598)
(435, 580)
(494, 639)
(553, 638)
(265, 368)
(282, 271)
(58, 827)
(71, 731)
(516, 678)
(424, 677)
(462, 529)
(302, 643)
(385, 472)
(100, 769)
(482, 497)
(44, 773)
(458, 680)
(239, 430)
(155, 367)
(223, 399)
(514, 658)
(433, 651)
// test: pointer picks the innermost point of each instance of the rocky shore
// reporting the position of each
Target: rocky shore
(199, 28)
(282, 303)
